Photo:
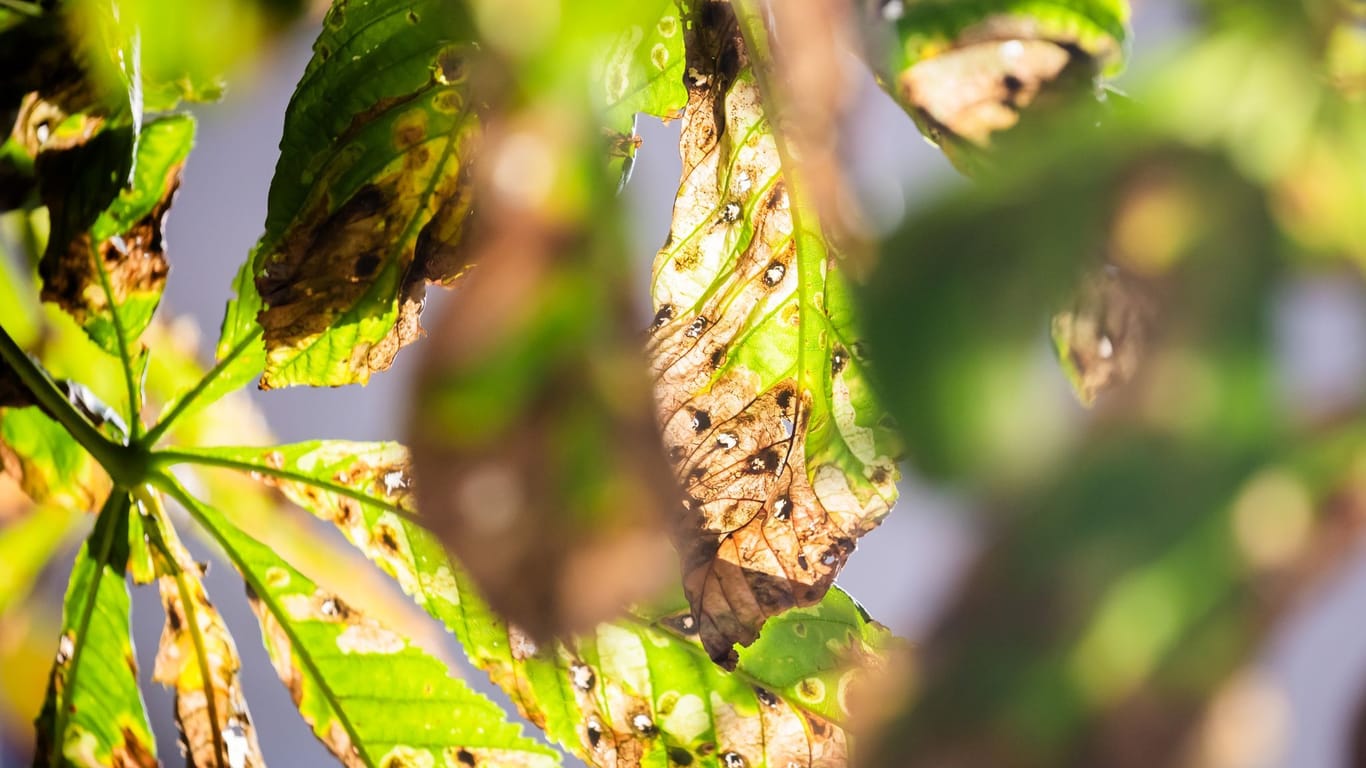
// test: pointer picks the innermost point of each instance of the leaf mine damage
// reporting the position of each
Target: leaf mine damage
(770, 424)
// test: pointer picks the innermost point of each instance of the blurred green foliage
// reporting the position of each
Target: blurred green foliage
(1137, 554)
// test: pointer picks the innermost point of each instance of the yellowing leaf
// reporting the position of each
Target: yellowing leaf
(198, 659)
(784, 454)
(93, 714)
(370, 696)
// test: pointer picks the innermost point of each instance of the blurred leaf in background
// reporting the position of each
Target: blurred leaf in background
(537, 459)
(1138, 554)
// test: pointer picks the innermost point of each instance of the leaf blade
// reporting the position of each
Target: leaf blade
(587, 695)
(782, 450)
(330, 656)
(93, 713)
(197, 659)
(368, 201)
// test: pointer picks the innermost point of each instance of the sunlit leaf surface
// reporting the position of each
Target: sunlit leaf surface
(637, 691)
(966, 69)
(47, 463)
(760, 377)
(369, 199)
(108, 267)
(198, 660)
(369, 695)
(93, 714)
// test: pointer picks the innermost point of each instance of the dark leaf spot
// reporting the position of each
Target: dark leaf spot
(664, 315)
(767, 460)
(718, 356)
(465, 757)
(367, 264)
(701, 420)
(775, 196)
(594, 732)
(680, 756)
(838, 360)
(451, 64)
(773, 273)
(784, 398)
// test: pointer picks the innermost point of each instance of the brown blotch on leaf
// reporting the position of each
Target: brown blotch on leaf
(134, 261)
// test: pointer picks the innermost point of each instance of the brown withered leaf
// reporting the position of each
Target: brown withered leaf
(785, 456)
(536, 458)
(105, 262)
(197, 658)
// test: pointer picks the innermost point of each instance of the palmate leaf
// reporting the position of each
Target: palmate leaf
(369, 199)
(198, 660)
(637, 691)
(370, 696)
(760, 378)
(965, 69)
(93, 714)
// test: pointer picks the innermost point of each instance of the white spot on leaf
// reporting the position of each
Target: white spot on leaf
(369, 638)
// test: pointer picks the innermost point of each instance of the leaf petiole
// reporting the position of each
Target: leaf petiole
(161, 459)
(123, 464)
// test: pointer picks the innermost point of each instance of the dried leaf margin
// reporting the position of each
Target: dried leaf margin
(761, 384)
(196, 656)
(966, 69)
(93, 713)
(109, 270)
(637, 691)
(329, 656)
(369, 199)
